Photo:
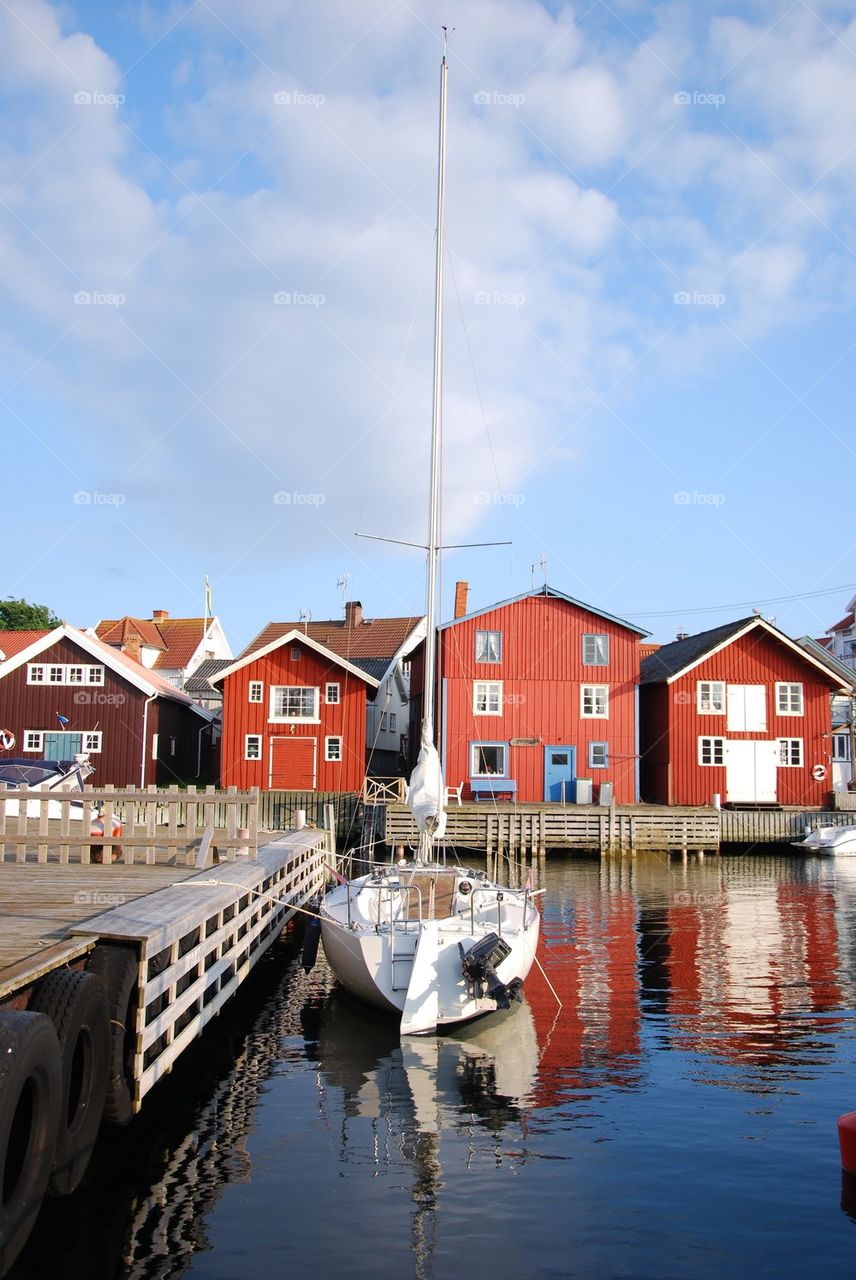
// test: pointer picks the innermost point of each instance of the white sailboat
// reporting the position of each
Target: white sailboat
(435, 945)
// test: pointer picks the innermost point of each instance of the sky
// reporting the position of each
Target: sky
(217, 254)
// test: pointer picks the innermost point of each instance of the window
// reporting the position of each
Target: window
(841, 748)
(711, 751)
(92, 742)
(56, 675)
(333, 749)
(487, 759)
(331, 694)
(35, 673)
(255, 691)
(747, 708)
(76, 675)
(791, 753)
(62, 673)
(383, 722)
(253, 746)
(94, 675)
(34, 740)
(594, 701)
(392, 722)
(595, 651)
(295, 653)
(293, 702)
(487, 698)
(598, 755)
(789, 699)
(488, 646)
(710, 697)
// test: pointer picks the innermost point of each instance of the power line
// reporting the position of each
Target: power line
(743, 604)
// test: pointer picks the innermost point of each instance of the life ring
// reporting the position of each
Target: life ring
(819, 772)
(118, 969)
(7, 739)
(96, 828)
(30, 1101)
(76, 1005)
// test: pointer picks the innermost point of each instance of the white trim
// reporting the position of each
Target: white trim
(337, 700)
(594, 715)
(91, 741)
(333, 737)
(790, 684)
(289, 638)
(710, 710)
(259, 685)
(33, 733)
(315, 718)
(259, 738)
(783, 748)
(488, 686)
(797, 649)
(713, 739)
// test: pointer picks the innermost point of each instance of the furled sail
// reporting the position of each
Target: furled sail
(426, 794)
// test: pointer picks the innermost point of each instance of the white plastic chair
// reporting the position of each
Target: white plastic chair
(454, 793)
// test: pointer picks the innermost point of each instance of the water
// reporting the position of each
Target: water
(676, 1117)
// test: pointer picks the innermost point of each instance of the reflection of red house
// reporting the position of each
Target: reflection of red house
(740, 711)
(539, 690)
(294, 718)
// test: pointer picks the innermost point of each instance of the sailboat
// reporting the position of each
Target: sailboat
(435, 945)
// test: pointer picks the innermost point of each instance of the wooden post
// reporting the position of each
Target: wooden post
(253, 823)
(44, 812)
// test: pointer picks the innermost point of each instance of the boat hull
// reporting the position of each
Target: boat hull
(838, 840)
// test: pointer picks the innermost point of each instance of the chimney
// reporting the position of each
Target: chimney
(159, 615)
(461, 592)
(131, 648)
(353, 613)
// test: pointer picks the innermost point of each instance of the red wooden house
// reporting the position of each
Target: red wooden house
(63, 692)
(741, 711)
(294, 718)
(536, 693)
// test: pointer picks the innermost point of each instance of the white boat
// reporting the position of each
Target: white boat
(45, 776)
(838, 840)
(433, 944)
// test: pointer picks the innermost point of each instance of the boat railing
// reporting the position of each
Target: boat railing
(402, 919)
(500, 899)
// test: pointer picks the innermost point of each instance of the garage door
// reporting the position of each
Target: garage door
(292, 764)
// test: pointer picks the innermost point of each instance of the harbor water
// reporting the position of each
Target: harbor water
(674, 1117)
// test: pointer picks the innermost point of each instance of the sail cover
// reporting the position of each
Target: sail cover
(426, 794)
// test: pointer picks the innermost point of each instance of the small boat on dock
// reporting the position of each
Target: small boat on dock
(838, 840)
(44, 775)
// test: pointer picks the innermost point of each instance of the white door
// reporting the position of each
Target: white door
(747, 708)
(751, 771)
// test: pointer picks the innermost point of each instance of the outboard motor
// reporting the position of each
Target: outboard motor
(479, 968)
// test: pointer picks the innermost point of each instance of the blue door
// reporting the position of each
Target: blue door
(560, 773)
(62, 746)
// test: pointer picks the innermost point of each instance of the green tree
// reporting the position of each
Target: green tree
(20, 615)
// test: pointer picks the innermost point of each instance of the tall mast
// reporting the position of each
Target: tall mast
(429, 694)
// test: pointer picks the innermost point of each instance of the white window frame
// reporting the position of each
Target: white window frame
(256, 693)
(91, 741)
(716, 749)
(32, 668)
(56, 672)
(95, 675)
(38, 737)
(383, 722)
(597, 697)
(315, 718)
(392, 722)
(328, 748)
(787, 692)
(484, 645)
(258, 739)
(840, 746)
(487, 697)
(709, 693)
(791, 747)
(603, 763)
(595, 650)
(475, 747)
(72, 667)
(332, 694)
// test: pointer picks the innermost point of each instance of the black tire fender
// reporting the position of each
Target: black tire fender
(76, 1004)
(30, 1104)
(118, 969)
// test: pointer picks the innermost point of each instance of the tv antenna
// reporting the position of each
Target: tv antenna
(342, 585)
(305, 618)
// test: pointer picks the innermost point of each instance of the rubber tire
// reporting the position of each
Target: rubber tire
(118, 969)
(30, 1081)
(76, 1005)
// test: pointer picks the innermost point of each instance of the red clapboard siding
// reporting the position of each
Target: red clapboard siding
(542, 670)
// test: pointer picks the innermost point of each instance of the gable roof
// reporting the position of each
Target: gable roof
(292, 637)
(370, 638)
(199, 681)
(12, 642)
(817, 647)
(129, 628)
(177, 638)
(149, 682)
(679, 657)
(845, 623)
(553, 594)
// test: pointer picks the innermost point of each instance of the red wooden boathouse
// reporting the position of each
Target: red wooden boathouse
(294, 718)
(740, 711)
(538, 692)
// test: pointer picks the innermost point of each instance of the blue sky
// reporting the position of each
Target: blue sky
(216, 223)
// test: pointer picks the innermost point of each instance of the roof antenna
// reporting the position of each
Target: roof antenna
(342, 585)
(305, 618)
(446, 31)
(543, 564)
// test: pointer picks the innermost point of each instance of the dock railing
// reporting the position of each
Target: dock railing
(133, 826)
(384, 791)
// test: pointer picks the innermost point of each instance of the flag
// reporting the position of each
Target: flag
(62, 719)
(209, 609)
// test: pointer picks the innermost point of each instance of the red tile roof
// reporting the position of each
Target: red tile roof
(12, 642)
(844, 625)
(127, 628)
(370, 638)
(177, 638)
